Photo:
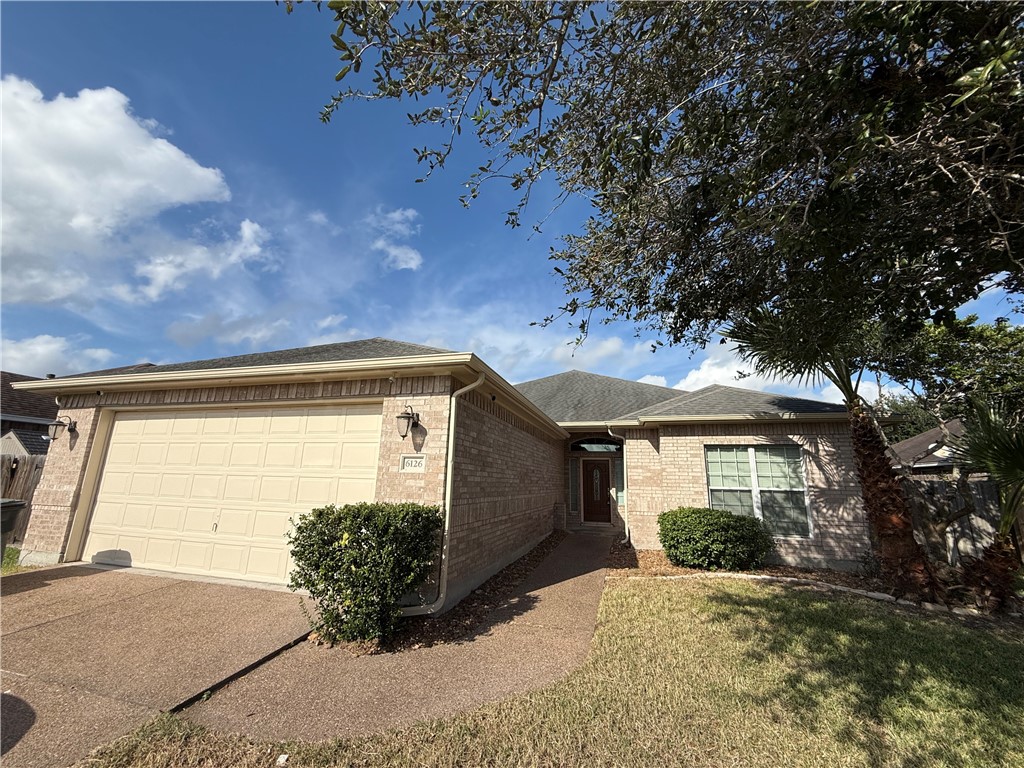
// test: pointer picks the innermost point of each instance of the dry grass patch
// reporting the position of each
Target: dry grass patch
(705, 673)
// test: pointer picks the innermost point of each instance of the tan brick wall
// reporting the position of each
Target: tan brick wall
(666, 470)
(59, 488)
(508, 486)
(58, 494)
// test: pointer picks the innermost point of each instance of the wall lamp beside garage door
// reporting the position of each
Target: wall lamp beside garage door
(57, 427)
(406, 421)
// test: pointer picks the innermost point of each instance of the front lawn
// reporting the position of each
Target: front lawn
(706, 673)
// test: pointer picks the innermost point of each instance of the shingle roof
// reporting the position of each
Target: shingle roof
(33, 442)
(16, 403)
(364, 349)
(919, 448)
(720, 400)
(576, 396)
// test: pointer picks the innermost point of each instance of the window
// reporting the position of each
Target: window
(760, 481)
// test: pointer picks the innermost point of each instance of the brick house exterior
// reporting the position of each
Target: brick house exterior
(134, 482)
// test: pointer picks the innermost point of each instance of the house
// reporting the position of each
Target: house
(28, 411)
(24, 442)
(786, 460)
(928, 453)
(198, 467)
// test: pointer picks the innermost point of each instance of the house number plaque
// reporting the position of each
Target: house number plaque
(413, 463)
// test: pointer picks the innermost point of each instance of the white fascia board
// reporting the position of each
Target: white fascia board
(516, 399)
(251, 374)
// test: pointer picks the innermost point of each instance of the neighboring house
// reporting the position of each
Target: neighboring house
(24, 442)
(928, 453)
(198, 467)
(28, 411)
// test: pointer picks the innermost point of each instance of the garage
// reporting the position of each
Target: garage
(212, 491)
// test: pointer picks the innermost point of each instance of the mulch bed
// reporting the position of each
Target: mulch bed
(469, 614)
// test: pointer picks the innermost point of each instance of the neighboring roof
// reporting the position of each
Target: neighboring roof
(32, 442)
(576, 396)
(364, 349)
(921, 450)
(15, 403)
(720, 400)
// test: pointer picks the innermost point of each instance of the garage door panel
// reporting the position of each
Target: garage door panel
(281, 455)
(199, 520)
(212, 455)
(143, 484)
(246, 455)
(214, 491)
(167, 517)
(137, 516)
(235, 522)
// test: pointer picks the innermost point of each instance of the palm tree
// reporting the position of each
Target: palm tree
(784, 345)
(992, 444)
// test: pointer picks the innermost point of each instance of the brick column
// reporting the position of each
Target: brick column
(60, 486)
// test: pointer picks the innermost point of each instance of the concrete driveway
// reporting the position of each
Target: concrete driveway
(88, 654)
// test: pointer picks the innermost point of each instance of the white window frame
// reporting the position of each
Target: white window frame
(754, 487)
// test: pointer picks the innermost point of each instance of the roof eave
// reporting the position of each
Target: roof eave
(743, 417)
(424, 365)
(337, 369)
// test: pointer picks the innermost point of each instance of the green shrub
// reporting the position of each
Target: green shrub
(712, 538)
(357, 561)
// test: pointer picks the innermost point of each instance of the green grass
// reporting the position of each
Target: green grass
(705, 673)
(10, 562)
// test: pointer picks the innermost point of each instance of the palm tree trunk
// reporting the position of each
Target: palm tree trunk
(903, 561)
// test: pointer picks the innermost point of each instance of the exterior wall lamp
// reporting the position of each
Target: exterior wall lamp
(407, 419)
(56, 428)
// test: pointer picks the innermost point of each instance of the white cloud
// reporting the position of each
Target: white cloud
(253, 330)
(398, 256)
(171, 271)
(396, 223)
(330, 321)
(317, 217)
(81, 174)
(40, 355)
(659, 381)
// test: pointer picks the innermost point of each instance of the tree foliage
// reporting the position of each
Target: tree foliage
(945, 366)
(737, 155)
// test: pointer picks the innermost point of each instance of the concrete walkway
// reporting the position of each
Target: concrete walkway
(314, 693)
(89, 654)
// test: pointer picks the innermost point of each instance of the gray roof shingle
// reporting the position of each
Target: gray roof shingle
(919, 449)
(720, 400)
(33, 442)
(363, 349)
(576, 396)
(16, 403)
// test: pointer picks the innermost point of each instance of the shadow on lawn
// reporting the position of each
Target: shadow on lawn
(891, 669)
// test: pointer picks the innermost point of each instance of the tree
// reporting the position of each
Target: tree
(783, 345)
(944, 366)
(737, 155)
(992, 444)
(914, 417)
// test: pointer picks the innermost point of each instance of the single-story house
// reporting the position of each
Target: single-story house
(928, 453)
(24, 442)
(198, 467)
(26, 411)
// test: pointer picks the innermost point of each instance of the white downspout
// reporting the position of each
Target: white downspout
(449, 482)
(625, 482)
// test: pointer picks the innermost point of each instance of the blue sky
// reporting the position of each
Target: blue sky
(169, 193)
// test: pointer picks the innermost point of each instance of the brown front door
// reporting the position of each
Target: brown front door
(596, 491)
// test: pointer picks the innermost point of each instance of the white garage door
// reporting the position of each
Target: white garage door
(212, 492)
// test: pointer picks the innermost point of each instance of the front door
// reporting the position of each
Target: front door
(596, 491)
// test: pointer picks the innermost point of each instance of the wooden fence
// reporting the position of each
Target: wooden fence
(19, 476)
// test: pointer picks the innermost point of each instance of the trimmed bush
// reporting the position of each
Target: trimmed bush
(694, 537)
(357, 561)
